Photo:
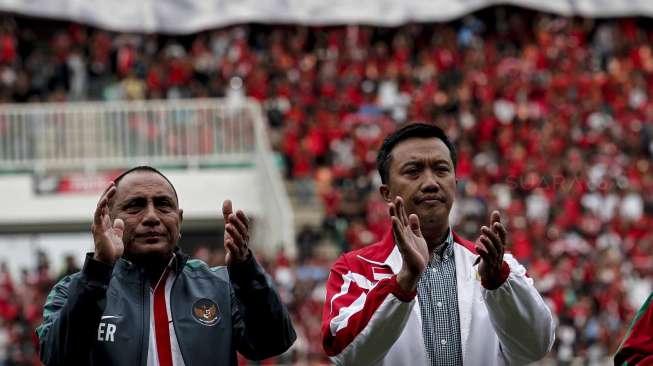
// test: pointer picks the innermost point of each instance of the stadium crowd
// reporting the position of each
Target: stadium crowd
(551, 116)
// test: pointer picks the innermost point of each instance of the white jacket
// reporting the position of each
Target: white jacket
(369, 320)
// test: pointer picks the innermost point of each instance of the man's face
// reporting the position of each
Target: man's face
(146, 202)
(422, 173)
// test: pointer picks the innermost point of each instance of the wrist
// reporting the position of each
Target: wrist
(399, 292)
(95, 271)
(407, 281)
(247, 274)
(102, 259)
(496, 278)
(245, 256)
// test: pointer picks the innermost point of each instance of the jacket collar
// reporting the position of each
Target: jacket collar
(125, 265)
(182, 258)
(394, 260)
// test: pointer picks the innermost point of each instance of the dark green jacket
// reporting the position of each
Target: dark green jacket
(101, 315)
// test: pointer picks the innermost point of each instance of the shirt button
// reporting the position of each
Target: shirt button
(443, 342)
(439, 304)
(446, 256)
(435, 270)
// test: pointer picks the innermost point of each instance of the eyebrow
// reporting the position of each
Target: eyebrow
(421, 161)
(155, 198)
(164, 198)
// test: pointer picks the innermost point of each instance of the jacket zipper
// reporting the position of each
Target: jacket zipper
(172, 314)
(143, 361)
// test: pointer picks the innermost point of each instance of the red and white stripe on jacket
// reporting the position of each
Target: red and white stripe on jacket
(369, 320)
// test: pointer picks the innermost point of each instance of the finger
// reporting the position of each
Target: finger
(103, 206)
(102, 219)
(233, 249)
(397, 206)
(97, 216)
(414, 225)
(489, 247)
(487, 243)
(111, 193)
(401, 211)
(243, 218)
(228, 243)
(483, 253)
(404, 213)
(398, 232)
(392, 210)
(106, 220)
(480, 249)
(118, 227)
(106, 190)
(494, 238)
(99, 209)
(240, 227)
(495, 217)
(228, 255)
(107, 194)
(227, 209)
(501, 231)
(237, 238)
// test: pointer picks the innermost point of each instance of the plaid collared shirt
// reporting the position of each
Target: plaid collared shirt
(438, 301)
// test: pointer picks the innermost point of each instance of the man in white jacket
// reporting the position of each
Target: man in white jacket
(423, 295)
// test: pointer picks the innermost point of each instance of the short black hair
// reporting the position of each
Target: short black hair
(413, 130)
(144, 168)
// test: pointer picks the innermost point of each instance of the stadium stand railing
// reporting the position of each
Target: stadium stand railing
(97, 135)
(198, 133)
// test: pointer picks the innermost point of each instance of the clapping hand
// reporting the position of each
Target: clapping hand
(236, 235)
(411, 243)
(107, 236)
(491, 246)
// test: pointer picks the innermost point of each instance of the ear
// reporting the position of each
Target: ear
(181, 216)
(385, 192)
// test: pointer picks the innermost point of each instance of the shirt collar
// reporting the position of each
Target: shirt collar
(445, 250)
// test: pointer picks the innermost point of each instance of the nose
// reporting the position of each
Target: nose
(430, 182)
(151, 218)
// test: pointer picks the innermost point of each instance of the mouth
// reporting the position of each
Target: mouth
(151, 237)
(430, 200)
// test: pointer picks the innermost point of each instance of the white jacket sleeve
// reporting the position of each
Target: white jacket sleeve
(520, 318)
(375, 340)
(362, 319)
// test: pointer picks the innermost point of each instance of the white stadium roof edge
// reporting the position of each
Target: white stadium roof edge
(175, 17)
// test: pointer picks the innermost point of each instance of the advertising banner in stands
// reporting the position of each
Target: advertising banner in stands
(75, 183)
(187, 16)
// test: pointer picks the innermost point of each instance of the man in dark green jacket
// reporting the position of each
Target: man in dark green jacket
(140, 301)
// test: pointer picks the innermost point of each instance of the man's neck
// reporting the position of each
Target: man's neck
(435, 239)
(154, 268)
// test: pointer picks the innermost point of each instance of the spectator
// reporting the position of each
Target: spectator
(552, 117)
